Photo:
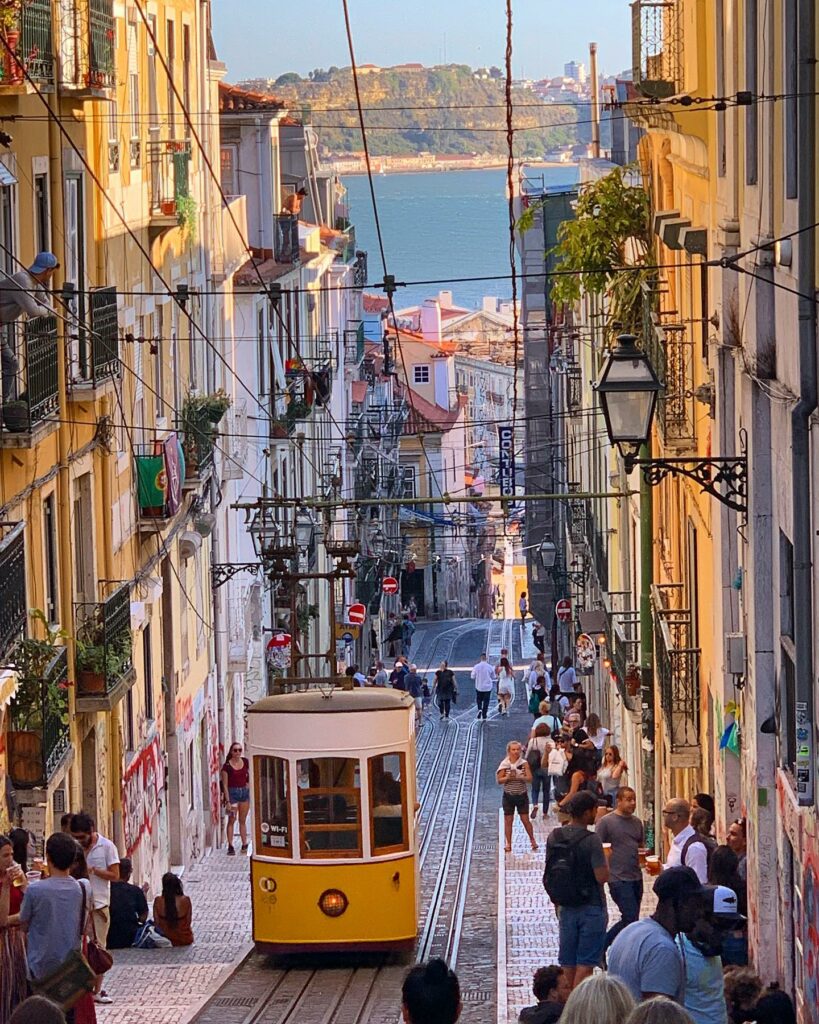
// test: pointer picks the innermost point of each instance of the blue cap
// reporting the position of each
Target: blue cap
(44, 261)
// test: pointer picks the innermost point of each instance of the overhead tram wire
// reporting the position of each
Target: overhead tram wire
(377, 221)
(120, 216)
(218, 183)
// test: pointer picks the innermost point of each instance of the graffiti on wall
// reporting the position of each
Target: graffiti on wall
(141, 789)
(214, 762)
(184, 715)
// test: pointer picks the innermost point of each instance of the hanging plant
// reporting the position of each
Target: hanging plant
(186, 216)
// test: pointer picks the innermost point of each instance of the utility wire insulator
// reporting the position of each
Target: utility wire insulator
(389, 285)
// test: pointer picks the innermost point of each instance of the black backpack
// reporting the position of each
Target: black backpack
(567, 877)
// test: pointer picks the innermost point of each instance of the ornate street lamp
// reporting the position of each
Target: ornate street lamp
(628, 389)
(548, 554)
(304, 529)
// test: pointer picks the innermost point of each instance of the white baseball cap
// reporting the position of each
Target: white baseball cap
(722, 901)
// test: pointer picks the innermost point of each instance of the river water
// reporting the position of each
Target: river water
(440, 225)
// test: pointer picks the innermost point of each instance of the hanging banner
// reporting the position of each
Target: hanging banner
(506, 437)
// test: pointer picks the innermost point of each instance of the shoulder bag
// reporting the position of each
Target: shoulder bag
(69, 982)
(99, 959)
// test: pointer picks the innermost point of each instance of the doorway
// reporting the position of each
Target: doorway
(90, 775)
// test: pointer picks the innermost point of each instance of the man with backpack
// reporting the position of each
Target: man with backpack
(573, 878)
(688, 848)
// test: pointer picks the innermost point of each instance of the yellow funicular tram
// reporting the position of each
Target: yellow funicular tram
(334, 864)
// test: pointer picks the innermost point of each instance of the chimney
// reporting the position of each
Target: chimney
(431, 320)
(445, 300)
(594, 83)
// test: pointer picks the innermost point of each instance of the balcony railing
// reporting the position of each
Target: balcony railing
(657, 47)
(33, 49)
(30, 389)
(286, 238)
(354, 345)
(104, 644)
(101, 54)
(95, 352)
(360, 269)
(574, 389)
(38, 733)
(169, 168)
(87, 45)
(677, 669)
(672, 354)
(13, 606)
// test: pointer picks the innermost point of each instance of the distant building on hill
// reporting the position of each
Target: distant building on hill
(575, 70)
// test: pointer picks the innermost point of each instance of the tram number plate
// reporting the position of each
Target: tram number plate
(277, 840)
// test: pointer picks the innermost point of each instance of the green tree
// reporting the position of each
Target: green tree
(611, 230)
(289, 78)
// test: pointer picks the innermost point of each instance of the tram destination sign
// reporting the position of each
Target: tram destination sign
(506, 439)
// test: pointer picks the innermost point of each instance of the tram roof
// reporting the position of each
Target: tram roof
(338, 700)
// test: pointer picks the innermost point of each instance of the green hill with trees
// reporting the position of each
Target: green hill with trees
(444, 110)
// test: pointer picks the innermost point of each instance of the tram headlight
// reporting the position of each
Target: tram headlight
(333, 902)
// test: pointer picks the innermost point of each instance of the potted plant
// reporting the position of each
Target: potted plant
(216, 405)
(16, 415)
(168, 207)
(297, 409)
(633, 681)
(186, 215)
(38, 696)
(10, 15)
(279, 428)
(99, 660)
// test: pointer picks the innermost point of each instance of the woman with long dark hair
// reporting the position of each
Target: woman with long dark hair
(21, 844)
(13, 984)
(173, 912)
(431, 994)
(235, 776)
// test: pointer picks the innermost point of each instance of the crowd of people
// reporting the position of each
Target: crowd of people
(61, 913)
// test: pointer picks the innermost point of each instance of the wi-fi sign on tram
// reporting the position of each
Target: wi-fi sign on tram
(389, 585)
(356, 614)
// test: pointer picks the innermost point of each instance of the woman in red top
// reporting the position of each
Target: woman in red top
(13, 986)
(236, 790)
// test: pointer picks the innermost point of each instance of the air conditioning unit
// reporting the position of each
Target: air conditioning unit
(735, 654)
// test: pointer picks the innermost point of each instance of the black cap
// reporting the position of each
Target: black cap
(676, 883)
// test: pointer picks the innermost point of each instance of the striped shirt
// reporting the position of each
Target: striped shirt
(516, 783)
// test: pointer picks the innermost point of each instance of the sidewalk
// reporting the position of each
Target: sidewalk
(527, 925)
(164, 985)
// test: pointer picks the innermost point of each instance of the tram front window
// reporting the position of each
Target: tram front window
(272, 807)
(329, 790)
(388, 802)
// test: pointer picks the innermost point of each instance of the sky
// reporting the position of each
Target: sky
(308, 34)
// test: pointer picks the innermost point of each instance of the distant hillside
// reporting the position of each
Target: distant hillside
(327, 99)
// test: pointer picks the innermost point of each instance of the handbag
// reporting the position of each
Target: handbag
(99, 959)
(69, 982)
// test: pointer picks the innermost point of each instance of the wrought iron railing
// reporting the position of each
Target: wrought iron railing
(13, 605)
(169, 168)
(38, 733)
(33, 51)
(99, 348)
(360, 269)
(657, 47)
(677, 669)
(354, 345)
(102, 48)
(104, 643)
(30, 392)
(671, 352)
(574, 389)
(286, 238)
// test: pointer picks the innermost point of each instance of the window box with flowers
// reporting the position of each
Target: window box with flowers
(38, 733)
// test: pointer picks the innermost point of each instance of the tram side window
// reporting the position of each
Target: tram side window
(388, 803)
(329, 790)
(272, 807)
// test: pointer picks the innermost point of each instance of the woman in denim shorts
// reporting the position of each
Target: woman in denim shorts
(236, 790)
(514, 774)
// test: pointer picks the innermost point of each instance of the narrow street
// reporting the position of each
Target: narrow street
(485, 913)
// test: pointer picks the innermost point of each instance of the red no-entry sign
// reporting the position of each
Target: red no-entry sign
(356, 614)
(563, 610)
(389, 585)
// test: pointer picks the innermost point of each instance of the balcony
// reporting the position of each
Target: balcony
(159, 472)
(286, 238)
(105, 668)
(677, 671)
(354, 345)
(38, 735)
(30, 391)
(360, 270)
(88, 47)
(31, 42)
(94, 354)
(574, 389)
(14, 606)
(168, 163)
(657, 47)
(672, 354)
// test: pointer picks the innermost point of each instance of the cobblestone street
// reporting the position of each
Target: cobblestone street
(163, 986)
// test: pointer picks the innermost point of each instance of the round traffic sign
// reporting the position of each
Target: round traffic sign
(348, 638)
(356, 614)
(563, 610)
(389, 585)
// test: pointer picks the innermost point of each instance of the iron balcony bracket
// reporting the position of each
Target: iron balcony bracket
(725, 479)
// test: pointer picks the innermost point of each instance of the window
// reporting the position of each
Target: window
(228, 158)
(720, 48)
(790, 84)
(186, 73)
(408, 482)
(133, 83)
(52, 592)
(191, 787)
(329, 791)
(7, 218)
(42, 229)
(159, 366)
(128, 725)
(420, 374)
(170, 57)
(752, 85)
(74, 216)
(147, 671)
(785, 586)
(272, 807)
(113, 135)
(388, 804)
(263, 353)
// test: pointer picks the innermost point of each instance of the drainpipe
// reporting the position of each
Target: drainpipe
(257, 121)
(801, 497)
(595, 101)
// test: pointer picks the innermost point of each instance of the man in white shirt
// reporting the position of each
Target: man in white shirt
(484, 676)
(102, 859)
(687, 848)
(566, 676)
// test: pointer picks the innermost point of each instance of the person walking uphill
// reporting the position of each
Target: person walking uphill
(445, 690)
(515, 775)
(102, 858)
(573, 878)
(484, 677)
(624, 832)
